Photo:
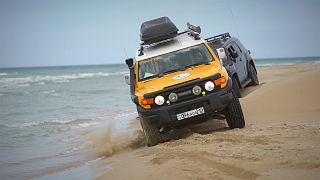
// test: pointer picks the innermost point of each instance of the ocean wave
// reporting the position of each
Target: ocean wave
(51, 92)
(3, 74)
(24, 85)
(272, 64)
(41, 80)
(41, 83)
(279, 62)
(67, 78)
(72, 150)
(87, 124)
(120, 73)
(74, 122)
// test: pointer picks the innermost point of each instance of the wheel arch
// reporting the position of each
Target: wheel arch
(251, 62)
(235, 75)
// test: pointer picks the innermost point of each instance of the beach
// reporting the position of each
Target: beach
(281, 138)
(67, 123)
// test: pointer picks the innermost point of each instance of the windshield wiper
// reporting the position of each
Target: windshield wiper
(173, 70)
(154, 76)
(196, 64)
(183, 68)
(161, 74)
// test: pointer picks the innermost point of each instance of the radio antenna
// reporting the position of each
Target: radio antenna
(233, 19)
(125, 52)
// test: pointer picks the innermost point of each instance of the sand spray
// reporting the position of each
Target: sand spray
(111, 138)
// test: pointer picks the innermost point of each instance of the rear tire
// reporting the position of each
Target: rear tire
(234, 114)
(253, 75)
(151, 132)
(236, 87)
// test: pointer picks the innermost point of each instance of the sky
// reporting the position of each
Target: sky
(82, 32)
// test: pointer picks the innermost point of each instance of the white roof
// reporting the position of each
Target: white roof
(180, 42)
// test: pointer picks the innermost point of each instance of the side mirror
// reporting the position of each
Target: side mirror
(222, 54)
(129, 62)
(127, 79)
(234, 54)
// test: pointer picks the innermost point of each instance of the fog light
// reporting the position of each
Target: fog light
(209, 86)
(173, 97)
(196, 90)
(159, 100)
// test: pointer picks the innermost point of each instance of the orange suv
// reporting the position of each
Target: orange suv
(176, 79)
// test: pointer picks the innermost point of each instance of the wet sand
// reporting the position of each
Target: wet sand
(281, 138)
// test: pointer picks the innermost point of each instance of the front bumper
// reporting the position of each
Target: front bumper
(167, 115)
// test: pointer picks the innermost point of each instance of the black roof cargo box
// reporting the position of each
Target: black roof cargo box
(157, 30)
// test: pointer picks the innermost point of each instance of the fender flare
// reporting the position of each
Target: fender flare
(251, 62)
(234, 74)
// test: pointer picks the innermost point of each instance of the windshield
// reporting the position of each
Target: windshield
(174, 61)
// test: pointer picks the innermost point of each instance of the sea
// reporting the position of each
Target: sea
(53, 119)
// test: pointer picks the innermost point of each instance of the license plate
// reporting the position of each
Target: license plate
(191, 113)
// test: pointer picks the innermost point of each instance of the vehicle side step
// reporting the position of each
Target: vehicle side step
(246, 82)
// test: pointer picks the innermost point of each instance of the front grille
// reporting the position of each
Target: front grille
(184, 93)
(184, 90)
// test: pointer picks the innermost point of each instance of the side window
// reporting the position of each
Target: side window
(236, 47)
(231, 49)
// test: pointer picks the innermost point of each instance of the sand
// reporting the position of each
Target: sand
(281, 138)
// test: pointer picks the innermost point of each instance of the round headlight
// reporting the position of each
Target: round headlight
(209, 86)
(173, 97)
(159, 100)
(196, 90)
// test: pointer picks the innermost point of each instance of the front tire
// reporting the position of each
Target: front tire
(234, 114)
(151, 132)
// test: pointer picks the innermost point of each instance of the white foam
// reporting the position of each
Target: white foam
(41, 83)
(22, 125)
(75, 122)
(3, 74)
(55, 94)
(24, 85)
(40, 80)
(72, 150)
(63, 121)
(119, 73)
(273, 64)
(84, 125)
(49, 91)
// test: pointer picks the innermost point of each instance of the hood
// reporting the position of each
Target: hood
(178, 77)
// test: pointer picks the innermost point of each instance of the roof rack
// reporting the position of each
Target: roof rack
(223, 36)
(192, 30)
